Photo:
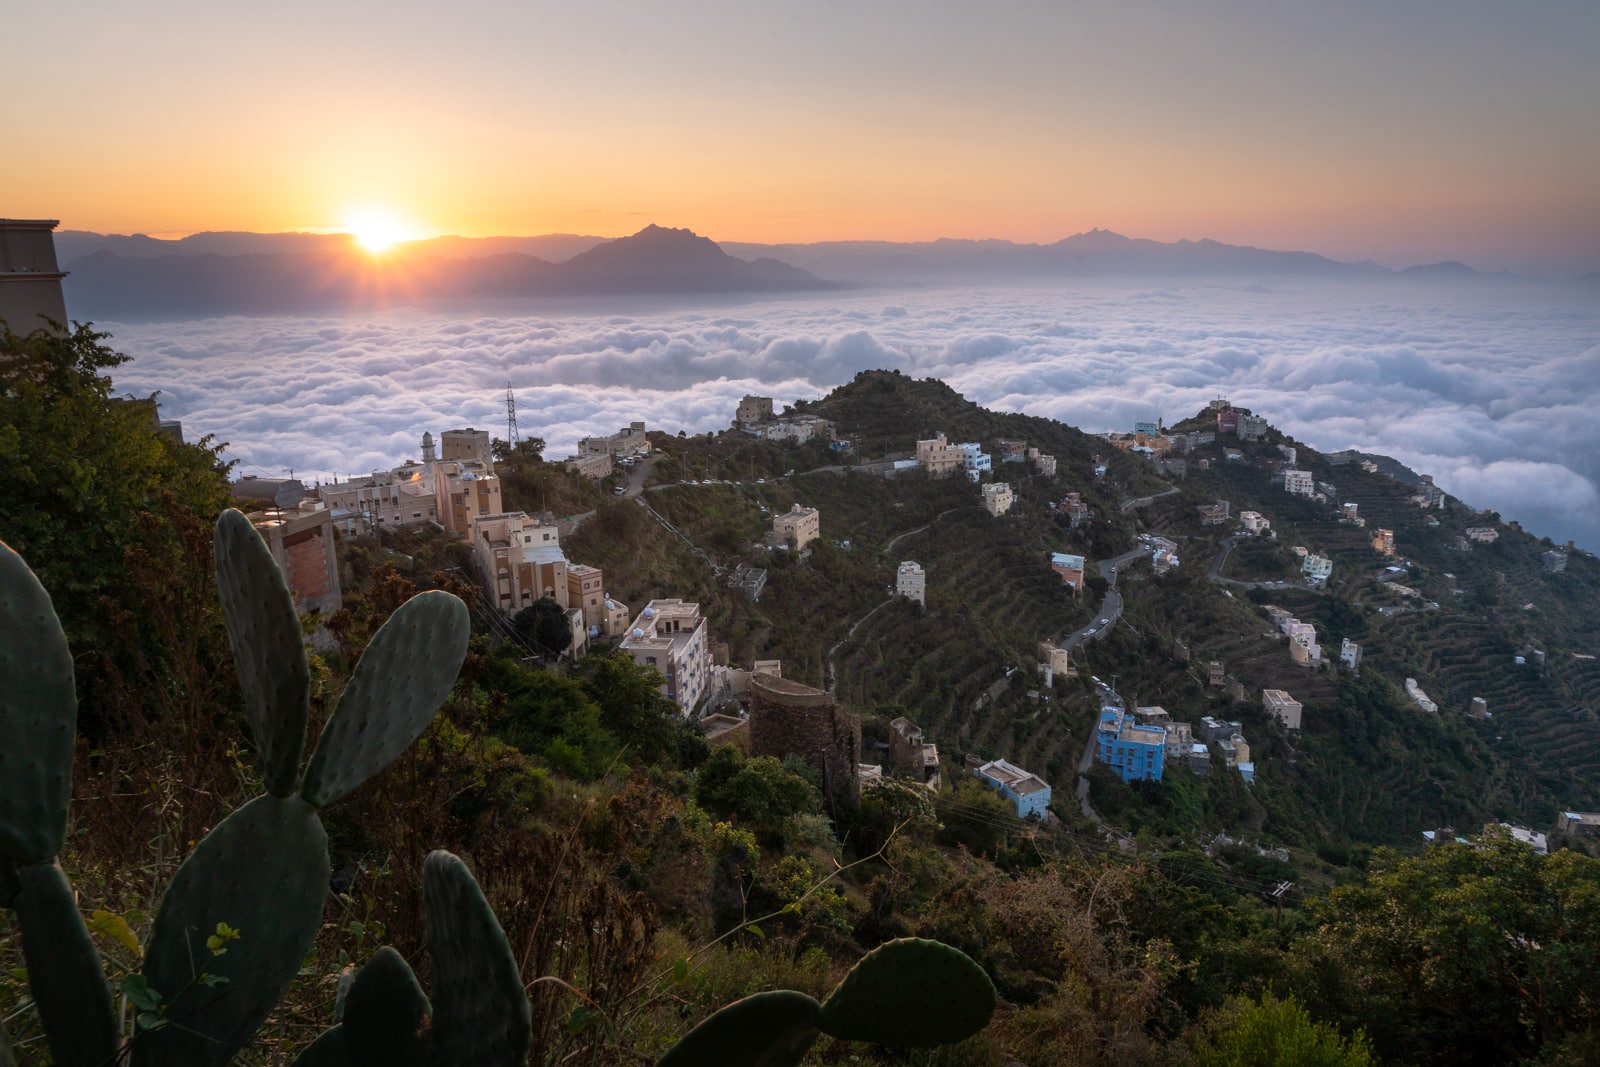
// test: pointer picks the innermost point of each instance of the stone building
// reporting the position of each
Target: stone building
(753, 410)
(798, 526)
(467, 446)
(791, 719)
(910, 756)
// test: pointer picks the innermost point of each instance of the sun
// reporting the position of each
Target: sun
(376, 229)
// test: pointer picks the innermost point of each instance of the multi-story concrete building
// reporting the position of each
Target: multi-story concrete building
(1135, 751)
(974, 460)
(404, 496)
(595, 465)
(1383, 541)
(1043, 463)
(1349, 655)
(467, 446)
(1285, 707)
(1251, 428)
(911, 581)
(1012, 451)
(1555, 561)
(519, 560)
(1026, 790)
(1253, 522)
(1419, 696)
(997, 498)
(671, 636)
(753, 410)
(1316, 568)
(302, 544)
(938, 456)
(30, 278)
(798, 526)
(1077, 512)
(586, 592)
(1298, 482)
(1213, 514)
(1483, 535)
(1070, 567)
(1228, 422)
(630, 438)
(464, 490)
(748, 580)
(794, 429)
(1350, 515)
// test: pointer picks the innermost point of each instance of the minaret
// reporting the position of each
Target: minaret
(427, 447)
(30, 280)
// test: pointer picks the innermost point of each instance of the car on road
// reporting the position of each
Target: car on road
(1102, 622)
(619, 490)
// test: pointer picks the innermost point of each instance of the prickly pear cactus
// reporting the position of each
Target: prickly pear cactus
(402, 678)
(386, 1015)
(910, 992)
(64, 973)
(7, 1057)
(328, 1050)
(481, 1016)
(38, 717)
(263, 871)
(268, 648)
(765, 1030)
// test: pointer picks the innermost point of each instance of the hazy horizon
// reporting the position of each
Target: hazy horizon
(1430, 131)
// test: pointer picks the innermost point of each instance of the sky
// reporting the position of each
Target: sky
(1492, 390)
(1402, 132)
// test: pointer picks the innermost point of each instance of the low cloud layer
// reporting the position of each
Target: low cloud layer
(1492, 389)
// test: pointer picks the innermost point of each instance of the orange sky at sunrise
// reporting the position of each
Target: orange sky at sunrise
(1438, 131)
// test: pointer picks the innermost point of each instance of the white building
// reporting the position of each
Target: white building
(1349, 654)
(1253, 522)
(1316, 568)
(1298, 482)
(1285, 707)
(911, 581)
(1414, 691)
(671, 636)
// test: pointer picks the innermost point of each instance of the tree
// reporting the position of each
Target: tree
(632, 705)
(526, 450)
(761, 792)
(1277, 1033)
(545, 624)
(115, 515)
(1480, 953)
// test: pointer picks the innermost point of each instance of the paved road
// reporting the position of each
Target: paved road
(1129, 505)
(1215, 573)
(1110, 608)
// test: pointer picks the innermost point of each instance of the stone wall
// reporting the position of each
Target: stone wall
(790, 719)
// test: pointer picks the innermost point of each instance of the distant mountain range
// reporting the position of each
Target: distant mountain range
(206, 274)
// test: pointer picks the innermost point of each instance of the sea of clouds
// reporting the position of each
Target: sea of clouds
(1493, 388)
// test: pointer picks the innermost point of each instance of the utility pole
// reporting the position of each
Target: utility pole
(511, 417)
(1277, 893)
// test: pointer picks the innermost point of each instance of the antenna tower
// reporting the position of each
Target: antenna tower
(511, 416)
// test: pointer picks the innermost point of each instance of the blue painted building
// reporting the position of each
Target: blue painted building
(1026, 790)
(1135, 751)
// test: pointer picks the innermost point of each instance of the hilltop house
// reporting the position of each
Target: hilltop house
(798, 526)
(911, 581)
(1070, 567)
(997, 498)
(1135, 751)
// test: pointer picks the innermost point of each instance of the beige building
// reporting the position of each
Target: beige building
(404, 496)
(939, 457)
(671, 636)
(997, 498)
(519, 561)
(595, 465)
(1285, 707)
(1300, 483)
(1254, 522)
(30, 279)
(586, 592)
(630, 438)
(798, 526)
(464, 490)
(1383, 541)
(911, 581)
(467, 446)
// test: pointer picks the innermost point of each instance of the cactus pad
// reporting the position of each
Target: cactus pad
(910, 992)
(386, 1014)
(10, 882)
(328, 1050)
(268, 648)
(7, 1057)
(64, 972)
(264, 871)
(766, 1030)
(481, 1016)
(402, 678)
(38, 717)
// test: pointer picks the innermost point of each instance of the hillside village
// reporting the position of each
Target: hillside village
(734, 710)
(1040, 715)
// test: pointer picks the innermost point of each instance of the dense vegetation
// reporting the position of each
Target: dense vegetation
(652, 880)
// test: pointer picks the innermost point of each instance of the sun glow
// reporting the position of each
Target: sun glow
(378, 230)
